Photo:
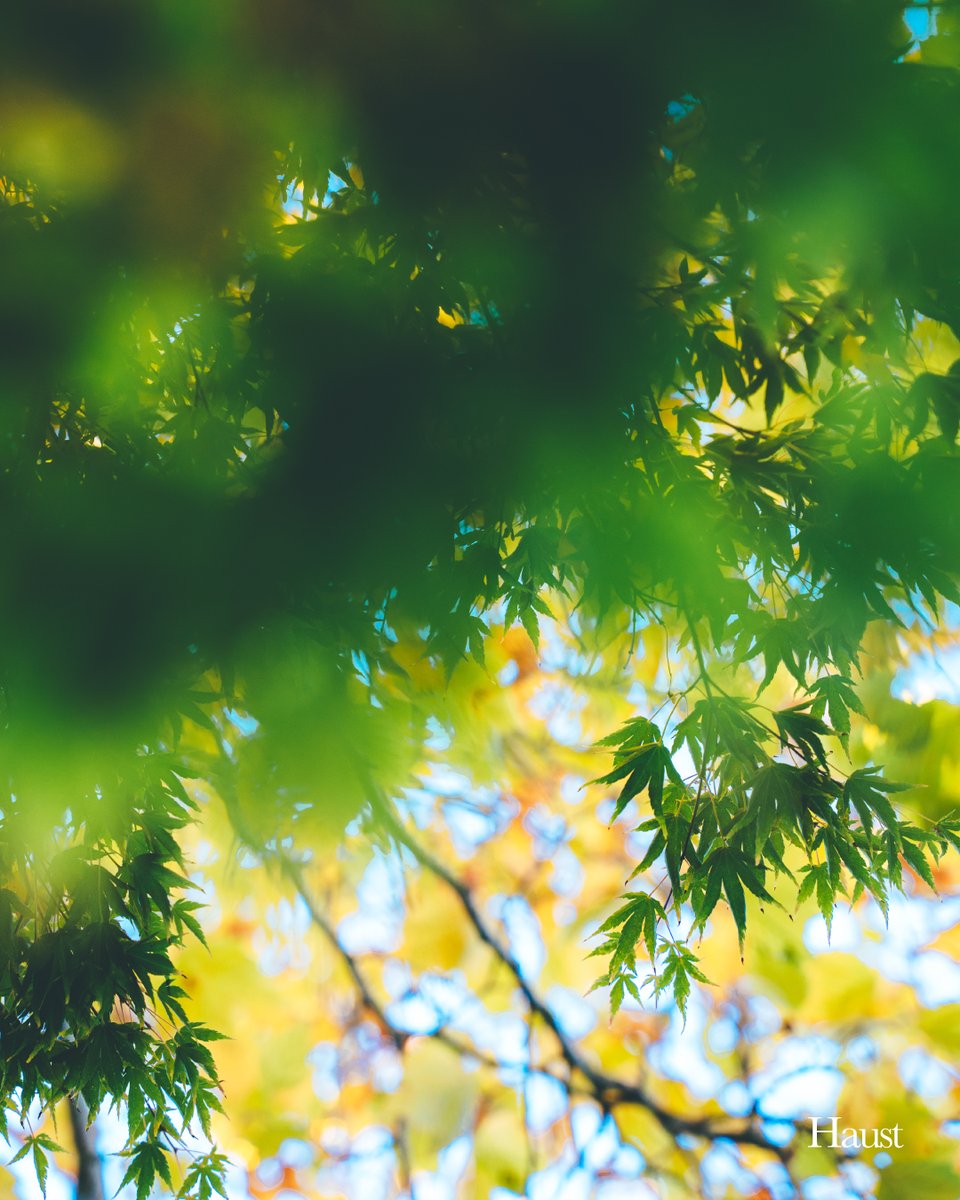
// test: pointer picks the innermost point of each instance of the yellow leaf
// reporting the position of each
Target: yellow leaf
(449, 320)
(435, 934)
(436, 1097)
(942, 1027)
(501, 1152)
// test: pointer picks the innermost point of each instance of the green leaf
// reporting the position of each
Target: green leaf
(826, 896)
(803, 731)
(865, 789)
(733, 890)
(805, 891)
(38, 1145)
(918, 860)
(707, 901)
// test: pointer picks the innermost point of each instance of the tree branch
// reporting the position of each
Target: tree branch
(608, 1091)
(294, 873)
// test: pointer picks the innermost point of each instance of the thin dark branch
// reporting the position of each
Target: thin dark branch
(608, 1091)
(397, 1035)
(294, 873)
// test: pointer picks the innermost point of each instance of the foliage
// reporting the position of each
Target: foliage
(341, 347)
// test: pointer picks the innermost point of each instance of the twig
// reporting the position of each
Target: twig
(607, 1090)
(294, 873)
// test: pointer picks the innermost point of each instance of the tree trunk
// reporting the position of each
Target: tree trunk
(89, 1166)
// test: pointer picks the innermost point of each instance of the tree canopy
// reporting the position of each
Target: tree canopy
(352, 357)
